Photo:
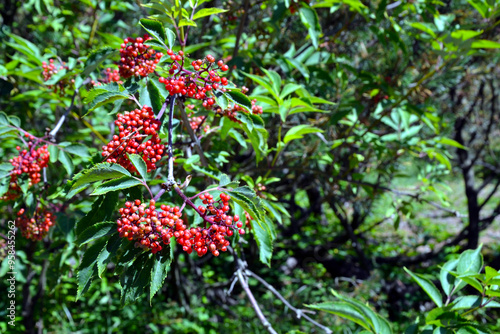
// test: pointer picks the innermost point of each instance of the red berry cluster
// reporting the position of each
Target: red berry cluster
(198, 84)
(213, 238)
(133, 129)
(137, 59)
(49, 70)
(29, 161)
(37, 227)
(149, 227)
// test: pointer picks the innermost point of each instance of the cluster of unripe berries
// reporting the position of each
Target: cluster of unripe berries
(198, 84)
(195, 122)
(137, 59)
(49, 70)
(152, 228)
(138, 134)
(37, 227)
(29, 161)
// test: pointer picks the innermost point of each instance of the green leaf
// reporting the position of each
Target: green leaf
(96, 57)
(240, 99)
(154, 29)
(76, 149)
(469, 302)
(428, 287)
(108, 252)
(423, 27)
(159, 271)
(99, 172)
(115, 185)
(288, 89)
(106, 98)
(95, 232)
(222, 100)
(87, 268)
(170, 38)
(450, 142)
(4, 119)
(485, 44)
(470, 261)
(309, 18)
(139, 164)
(343, 310)
(66, 161)
(103, 209)
(136, 278)
(187, 22)
(155, 97)
(263, 82)
(298, 132)
(448, 280)
(208, 11)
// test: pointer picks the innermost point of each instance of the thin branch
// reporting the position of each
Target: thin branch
(63, 117)
(193, 136)
(170, 178)
(299, 312)
(255, 305)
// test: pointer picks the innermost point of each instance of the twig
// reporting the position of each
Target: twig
(193, 136)
(299, 312)
(63, 117)
(170, 178)
(255, 305)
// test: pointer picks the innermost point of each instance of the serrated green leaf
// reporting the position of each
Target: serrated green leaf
(99, 172)
(88, 267)
(115, 185)
(159, 271)
(309, 18)
(170, 38)
(470, 261)
(155, 29)
(108, 252)
(4, 119)
(136, 278)
(155, 97)
(240, 99)
(95, 232)
(103, 209)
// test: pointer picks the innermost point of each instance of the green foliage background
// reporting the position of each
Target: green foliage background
(380, 133)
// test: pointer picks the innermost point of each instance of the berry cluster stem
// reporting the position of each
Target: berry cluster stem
(170, 179)
(191, 204)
